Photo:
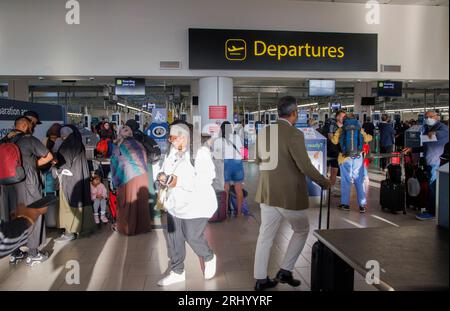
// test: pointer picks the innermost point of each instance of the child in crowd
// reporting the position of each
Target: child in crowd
(99, 195)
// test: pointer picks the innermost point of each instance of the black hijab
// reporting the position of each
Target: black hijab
(72, 156)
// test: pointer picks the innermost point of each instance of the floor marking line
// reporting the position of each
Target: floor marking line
(353, 223)
(385, 220)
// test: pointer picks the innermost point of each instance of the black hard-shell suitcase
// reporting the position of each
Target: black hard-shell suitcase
(392, 196)
(328, 271)
(395, 173)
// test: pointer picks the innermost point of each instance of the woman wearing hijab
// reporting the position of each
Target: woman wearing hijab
(190, 202)
(105, 145)
(129, 177)
(153, 156)
(53, 140)
(75, 210)
(106, 131)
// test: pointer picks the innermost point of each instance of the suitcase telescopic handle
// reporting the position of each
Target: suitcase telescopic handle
(328, 208)
(320, 208)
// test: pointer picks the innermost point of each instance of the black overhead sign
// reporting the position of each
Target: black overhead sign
(282, 50)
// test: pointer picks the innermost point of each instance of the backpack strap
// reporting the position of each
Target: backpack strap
(342, 140)
(234, 146)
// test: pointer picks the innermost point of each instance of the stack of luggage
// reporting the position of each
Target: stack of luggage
(417, 180)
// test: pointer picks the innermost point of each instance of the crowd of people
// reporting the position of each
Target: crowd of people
(84, 198)
(354, 169)
(184, 189)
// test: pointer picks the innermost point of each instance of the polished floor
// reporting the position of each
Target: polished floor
(110, 261)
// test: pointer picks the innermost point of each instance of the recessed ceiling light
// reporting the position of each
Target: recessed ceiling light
(92, 78)
(410, 81)
(359, 80)
(41, 78)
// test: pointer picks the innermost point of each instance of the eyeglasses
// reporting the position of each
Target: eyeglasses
(172, 138)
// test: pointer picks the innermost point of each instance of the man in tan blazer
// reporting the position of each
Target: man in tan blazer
(283, 192)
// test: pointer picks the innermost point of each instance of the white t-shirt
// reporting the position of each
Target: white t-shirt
(223, 149)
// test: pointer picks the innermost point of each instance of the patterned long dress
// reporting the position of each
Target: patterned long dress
(130, 177)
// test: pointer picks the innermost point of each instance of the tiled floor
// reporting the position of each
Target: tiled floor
(110, 261)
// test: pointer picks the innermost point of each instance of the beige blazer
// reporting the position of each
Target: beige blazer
(285, 186)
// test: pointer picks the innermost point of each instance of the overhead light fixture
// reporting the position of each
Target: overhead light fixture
(133, 108)
(126, 106)
(419, 109)
(41, 78)
(307, 105)
(92, 78)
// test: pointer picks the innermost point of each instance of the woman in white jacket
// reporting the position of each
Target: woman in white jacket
(190, 202)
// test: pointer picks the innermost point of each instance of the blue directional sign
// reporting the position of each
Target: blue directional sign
(159, 115)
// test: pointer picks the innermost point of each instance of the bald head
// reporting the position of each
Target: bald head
(23, 124)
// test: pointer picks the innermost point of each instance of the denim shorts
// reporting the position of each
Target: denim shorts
(233, 170)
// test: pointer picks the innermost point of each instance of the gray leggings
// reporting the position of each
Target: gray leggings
(191, 231)
(100, 203)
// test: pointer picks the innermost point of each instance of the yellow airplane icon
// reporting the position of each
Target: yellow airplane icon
(235, 49)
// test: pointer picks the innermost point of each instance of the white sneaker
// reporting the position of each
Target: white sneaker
(210, 268)
(172, 278)
(104, 219)
(65, 237)
(96, 219)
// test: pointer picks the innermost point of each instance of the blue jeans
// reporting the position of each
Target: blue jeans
(432, 171)
(352, 169)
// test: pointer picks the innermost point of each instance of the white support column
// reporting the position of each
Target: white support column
(215, 91)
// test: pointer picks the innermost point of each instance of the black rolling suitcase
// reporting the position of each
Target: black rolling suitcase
(393, 191)
(328, 271)
(392, 196)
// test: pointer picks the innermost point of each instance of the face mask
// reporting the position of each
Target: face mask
(430, 121)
